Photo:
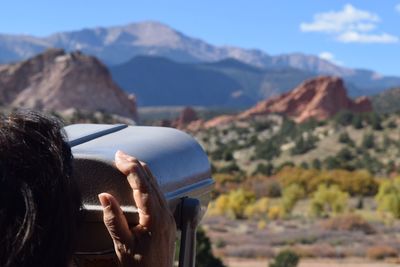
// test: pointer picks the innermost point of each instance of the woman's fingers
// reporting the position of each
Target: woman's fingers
(115, 220)
(144, 197)
(154, 185)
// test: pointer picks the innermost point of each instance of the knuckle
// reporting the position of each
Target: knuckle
(110, 219)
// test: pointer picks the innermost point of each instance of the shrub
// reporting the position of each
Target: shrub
(258, 209)
(381, 252)
(261, 225)
(268, 149)
(344, 138)
(302, 145)
(388, 197)
(275, 212)
(286, 258)
(263, 186)
(358, 182)
(316, 164)
(357, 121)
(232, 204)
(375, 121)
(291, 195)
(327, 200)
(264, 169)
(230, 168)
(204, 255)
(368, 141)
(348, 222)
(344, 117)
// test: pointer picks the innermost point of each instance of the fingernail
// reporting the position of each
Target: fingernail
(123, 156)
(104, 201)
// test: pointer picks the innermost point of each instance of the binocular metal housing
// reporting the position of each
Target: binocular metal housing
(178, 162)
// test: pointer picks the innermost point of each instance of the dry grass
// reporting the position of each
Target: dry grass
(237, 262)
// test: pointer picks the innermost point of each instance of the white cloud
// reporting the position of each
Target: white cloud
(349, 18)
(355, 37)
(330, 57)
(349, 25)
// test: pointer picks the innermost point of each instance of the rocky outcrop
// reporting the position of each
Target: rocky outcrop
(60, 81)
(187, 116)
(319, 98)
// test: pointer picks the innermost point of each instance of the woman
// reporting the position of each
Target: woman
(39, 201)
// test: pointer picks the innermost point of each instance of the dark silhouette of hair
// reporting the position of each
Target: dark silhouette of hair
(39, 201)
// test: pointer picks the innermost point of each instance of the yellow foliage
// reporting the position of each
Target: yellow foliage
(276, 212)
(388, 197)
(257, 210)
(358, 182)
(262, 224)
(327, 200)
(232, 204)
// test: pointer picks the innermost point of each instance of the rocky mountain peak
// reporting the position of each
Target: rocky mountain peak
(55, 80)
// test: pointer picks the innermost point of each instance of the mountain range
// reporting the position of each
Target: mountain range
(117, 46)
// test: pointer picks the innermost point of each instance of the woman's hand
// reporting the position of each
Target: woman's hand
(151, 242)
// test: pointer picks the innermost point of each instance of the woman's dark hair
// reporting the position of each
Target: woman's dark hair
(39, 201)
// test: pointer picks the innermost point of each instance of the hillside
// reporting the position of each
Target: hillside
(387, 101)
(266, 143)
(119, 44)
(59, 81)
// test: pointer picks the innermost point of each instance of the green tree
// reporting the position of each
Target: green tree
(302, 145)
(264, 169)
(357, 121)
(268, 149)
(344, 138)
(204, 254)
(375, 121)
(316, 164)
(286, 258)
(344, 117)
(368, 141)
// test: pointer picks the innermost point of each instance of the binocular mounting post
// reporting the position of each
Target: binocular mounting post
(191, 215)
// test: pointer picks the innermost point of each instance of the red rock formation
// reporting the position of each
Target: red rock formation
(186, 116)
(319, 98)
(59, 81)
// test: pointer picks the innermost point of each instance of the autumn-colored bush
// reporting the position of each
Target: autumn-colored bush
(328, 200)
(358, 182)
(276, 212)
(232, 204)
(348, 222)
(291, 195)
(381, 252)
(388, 197)
(258, 209)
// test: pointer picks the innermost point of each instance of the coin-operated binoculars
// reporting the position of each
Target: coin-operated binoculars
(179, 164)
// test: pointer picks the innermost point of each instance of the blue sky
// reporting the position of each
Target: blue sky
(362, 34)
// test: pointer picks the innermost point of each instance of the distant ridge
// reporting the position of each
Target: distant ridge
(119, 44)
